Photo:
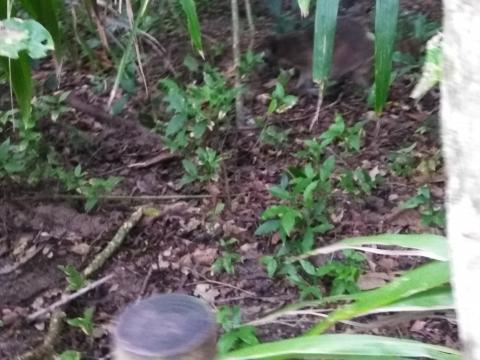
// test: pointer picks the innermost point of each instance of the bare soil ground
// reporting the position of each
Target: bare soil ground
(174, 250)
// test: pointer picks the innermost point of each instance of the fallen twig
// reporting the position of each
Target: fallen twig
(143, 164)
(68, 298)
(145, 283)
(7, 269)
(131, 198)
(45, 351)
(314, 120)
(113, 245)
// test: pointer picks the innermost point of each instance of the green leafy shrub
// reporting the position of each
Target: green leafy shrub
(196, 110)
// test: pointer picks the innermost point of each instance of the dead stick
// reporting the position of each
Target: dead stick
(113, 245)
(251, 24)
(319, 106)
(45, 350)
(113, 197)
(68, 298)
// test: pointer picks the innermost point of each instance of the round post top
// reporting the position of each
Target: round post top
(165, 326)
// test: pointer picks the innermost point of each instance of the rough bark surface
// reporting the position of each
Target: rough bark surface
(460, 112)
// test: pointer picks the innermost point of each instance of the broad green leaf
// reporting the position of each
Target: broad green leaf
(327, 168)
(271, 264)
(308, 239)
(288, 221)
(189, 167)
(325, 24)
(344, 347)
(274, 211)
(423, 278)
(175, 124)
(432, 71)
(193, 24)
(268, 227)
(272, 106)
(304, 6)
(85, 322)
(427, 245)
(45, 12)
(17, 35)
(308, 193)
(308, 267)
(119, 105)
(70, 355)
(287, 103)
(279, 192)
(386, 16)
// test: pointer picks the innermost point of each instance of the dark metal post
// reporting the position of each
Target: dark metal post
(166, 327)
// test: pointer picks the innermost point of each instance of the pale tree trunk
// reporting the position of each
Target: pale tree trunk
(460, 112)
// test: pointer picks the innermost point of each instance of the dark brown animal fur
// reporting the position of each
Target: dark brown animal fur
(352, 54)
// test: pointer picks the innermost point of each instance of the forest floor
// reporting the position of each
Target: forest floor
(173, 249)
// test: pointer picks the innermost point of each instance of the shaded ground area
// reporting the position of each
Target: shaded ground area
(173, 250)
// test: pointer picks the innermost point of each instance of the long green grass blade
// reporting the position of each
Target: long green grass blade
(21, 81)
(440, 298)
(193, 24)
(386, 15)
(345, 347)
(427, 245)
(304, 6)
(426, 277)
(128, 49)
(45, 12)
(325, 24)
(3, 9)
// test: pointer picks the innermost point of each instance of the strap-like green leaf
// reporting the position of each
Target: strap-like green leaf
(426, 277)
(193, 24)
(386, 16)
(427, 245)
(325, 24)
(344, 347)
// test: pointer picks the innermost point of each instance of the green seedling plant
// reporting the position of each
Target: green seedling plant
(414, 27)
(69, 355)
(249, 62)
(75, 279)
(215, 213)
(349, 138)
(235, 335)
(91, 188)
(359, 182)
(94, 188)
(204, 168)
(84, 322)
(301, 215)
(228, 258)
(402, 162)
(343, 273)
(303, 276)
(340, 275)
(280, 101)
(274, 136)
(431, 213)
(304, 194)
(196, 110)
(51, 106)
